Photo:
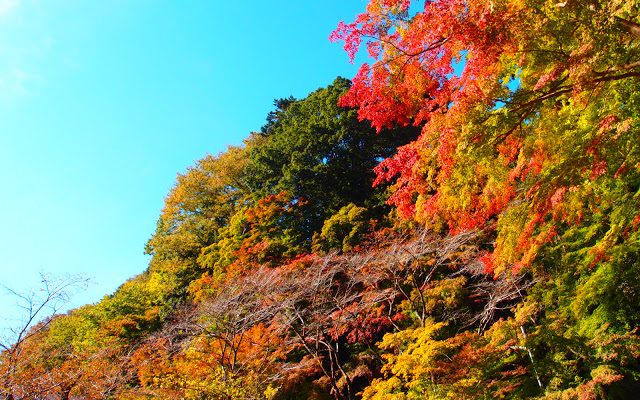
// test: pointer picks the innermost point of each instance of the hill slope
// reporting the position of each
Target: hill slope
(483, 243)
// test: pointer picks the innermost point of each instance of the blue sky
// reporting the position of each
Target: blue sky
(103, 102)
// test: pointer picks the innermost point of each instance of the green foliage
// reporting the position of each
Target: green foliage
(264, 233)
(343, 230)
(523, 169)
(198, 207)
(321, 154)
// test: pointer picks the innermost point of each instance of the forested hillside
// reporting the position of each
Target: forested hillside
(459, 222)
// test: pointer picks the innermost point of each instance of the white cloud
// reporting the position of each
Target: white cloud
(7, 6)
(13, 84)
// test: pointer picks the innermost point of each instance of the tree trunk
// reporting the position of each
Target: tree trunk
(630, 26)
(66, 393)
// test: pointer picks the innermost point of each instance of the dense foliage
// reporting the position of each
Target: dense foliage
(461, 222)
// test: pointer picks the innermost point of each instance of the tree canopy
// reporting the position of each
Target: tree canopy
(460, 222)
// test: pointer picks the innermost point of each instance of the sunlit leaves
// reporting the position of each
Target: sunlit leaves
(487, 144)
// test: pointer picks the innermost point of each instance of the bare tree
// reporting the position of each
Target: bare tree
(37, 309)
(409, 264)
(313, 306)
(316, 302)
(224, 320)
(316, 306)
(227, 316)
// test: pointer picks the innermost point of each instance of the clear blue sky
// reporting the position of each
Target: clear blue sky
(103, 102)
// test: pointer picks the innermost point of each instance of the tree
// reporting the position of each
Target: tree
(319, 153)
(200, 204)
(526, 108)
(528, 111)
(38, 307)
(343, 230)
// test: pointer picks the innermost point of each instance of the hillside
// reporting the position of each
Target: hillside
(460, 221)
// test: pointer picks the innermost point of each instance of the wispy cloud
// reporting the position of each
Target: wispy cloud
(8, 6)
(13, 83)
(25, 50)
